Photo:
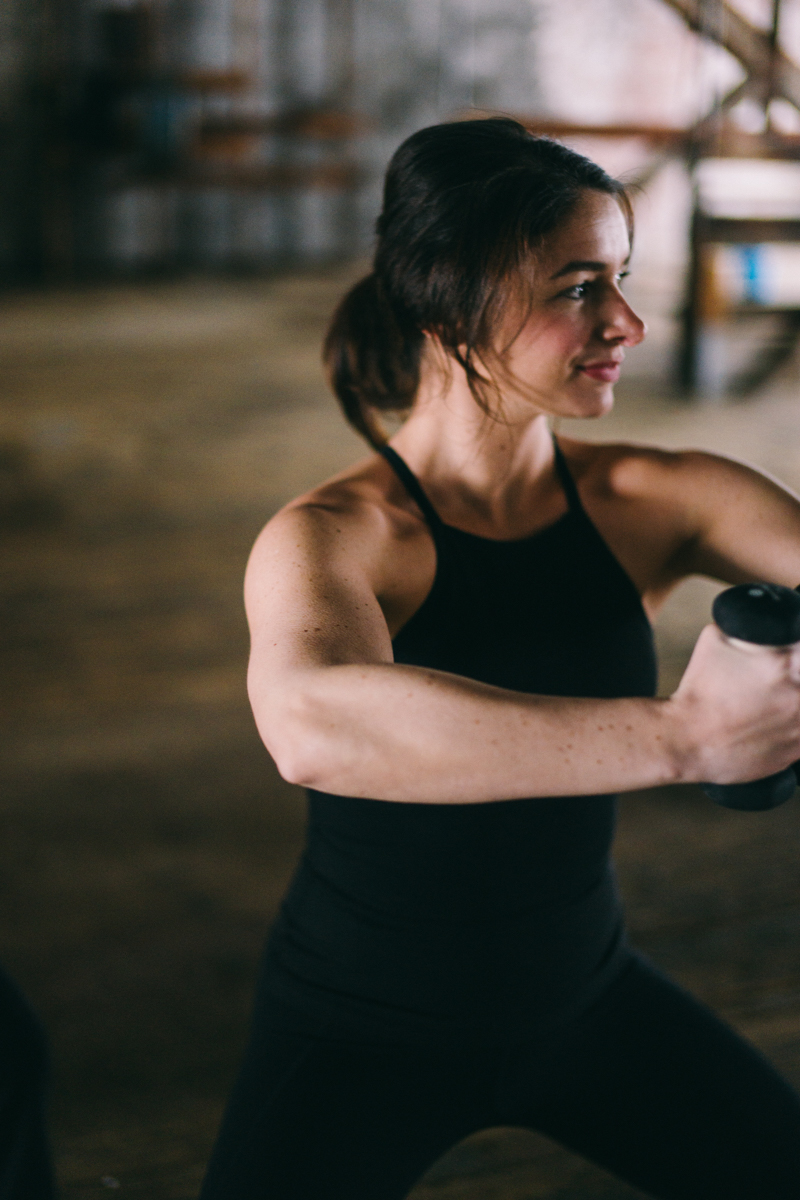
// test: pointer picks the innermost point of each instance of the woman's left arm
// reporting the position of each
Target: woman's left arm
(669, 514)
(744, 525)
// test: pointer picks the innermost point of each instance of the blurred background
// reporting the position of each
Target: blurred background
(186, 188)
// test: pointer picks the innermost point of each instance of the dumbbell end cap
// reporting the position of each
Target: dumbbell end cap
(766, 614)
(758, 796)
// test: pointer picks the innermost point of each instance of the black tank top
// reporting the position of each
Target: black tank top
(494, 920)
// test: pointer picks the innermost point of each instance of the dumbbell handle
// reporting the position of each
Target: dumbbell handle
(768, 615)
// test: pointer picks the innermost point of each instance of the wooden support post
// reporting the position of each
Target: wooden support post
(340, 54)
(688, 354)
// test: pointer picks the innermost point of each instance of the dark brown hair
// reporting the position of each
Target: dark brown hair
(465, 206)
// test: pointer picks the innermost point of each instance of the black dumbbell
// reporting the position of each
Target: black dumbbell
(768, 615)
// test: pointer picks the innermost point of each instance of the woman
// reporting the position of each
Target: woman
(451, 649)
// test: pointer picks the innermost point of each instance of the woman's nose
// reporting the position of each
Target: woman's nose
(622, 324)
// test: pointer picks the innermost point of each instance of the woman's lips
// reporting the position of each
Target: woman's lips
(605, 372)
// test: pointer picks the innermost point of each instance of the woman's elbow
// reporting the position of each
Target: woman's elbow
(294, 740)
(295, 764)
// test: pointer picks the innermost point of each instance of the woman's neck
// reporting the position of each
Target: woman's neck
(485, 475)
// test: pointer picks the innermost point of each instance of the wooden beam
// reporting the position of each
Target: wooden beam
(747, 230)
(660, 135)
(210, 81)
(268, 177)
(735, 143)
(320, 123)
(751, 46)
(725, 142)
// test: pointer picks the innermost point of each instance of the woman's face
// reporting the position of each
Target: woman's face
(567, 355)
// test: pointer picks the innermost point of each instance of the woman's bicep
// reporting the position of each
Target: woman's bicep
(310, 605)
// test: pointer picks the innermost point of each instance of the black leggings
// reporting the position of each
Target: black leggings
(649, 1084)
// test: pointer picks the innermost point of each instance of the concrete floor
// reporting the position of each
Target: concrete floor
(147, 434)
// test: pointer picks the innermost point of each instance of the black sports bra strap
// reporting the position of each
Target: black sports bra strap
(567, 482)
(414, 489)
(412, 485)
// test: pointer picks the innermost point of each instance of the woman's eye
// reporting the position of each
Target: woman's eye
(581, 290)
(578, 292)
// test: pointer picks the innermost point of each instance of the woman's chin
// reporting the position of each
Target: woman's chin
(589, 407)
(606, 401)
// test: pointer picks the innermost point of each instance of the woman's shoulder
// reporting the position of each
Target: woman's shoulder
(363, 513)
(667, 514)
(366, 493)
(637, 471)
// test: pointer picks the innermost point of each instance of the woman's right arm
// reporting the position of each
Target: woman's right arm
(338, 715)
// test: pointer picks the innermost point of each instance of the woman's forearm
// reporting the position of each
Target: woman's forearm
(403, 733)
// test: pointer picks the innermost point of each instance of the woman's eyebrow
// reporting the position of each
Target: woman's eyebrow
(582, 264)
(579, 265)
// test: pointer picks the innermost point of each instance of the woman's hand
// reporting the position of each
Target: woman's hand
(739, 705)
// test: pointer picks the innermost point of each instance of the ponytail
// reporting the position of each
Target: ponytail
(372, 358)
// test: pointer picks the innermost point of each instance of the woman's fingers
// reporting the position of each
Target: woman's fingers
(741, 703)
